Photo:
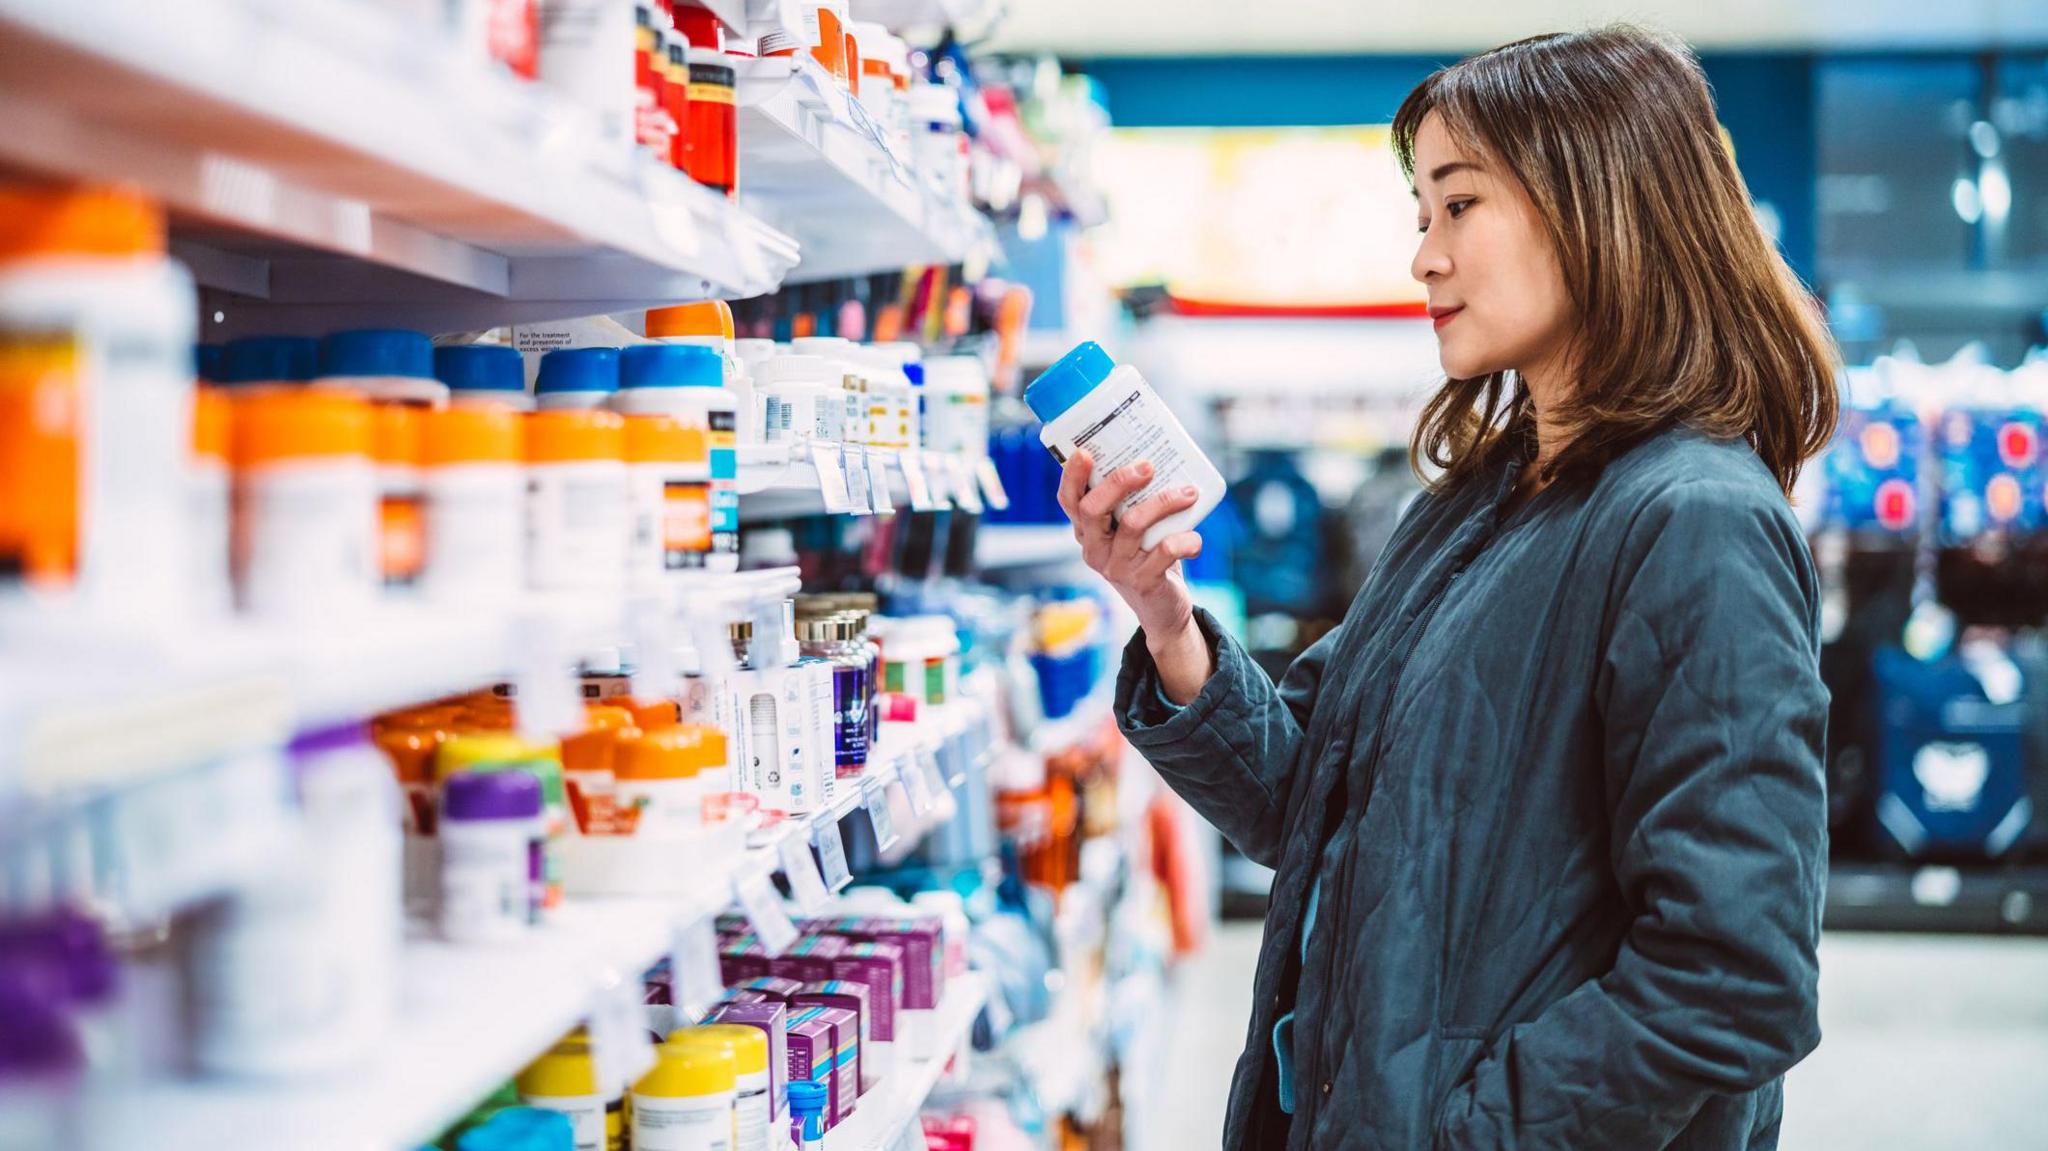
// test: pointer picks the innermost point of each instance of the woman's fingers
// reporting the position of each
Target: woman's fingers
(1153, 565)
(1130, 530)
(1074, 483)
(1115, 487)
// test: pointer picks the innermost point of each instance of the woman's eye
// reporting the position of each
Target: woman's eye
(1457, 208)
(1422, 226)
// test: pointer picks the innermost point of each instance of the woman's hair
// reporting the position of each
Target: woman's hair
(1684, 311)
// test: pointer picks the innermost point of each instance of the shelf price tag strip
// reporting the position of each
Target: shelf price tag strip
(832, 856)
(961, 482)
(917, 787)
(878, 483)
(928, 767)
(878, 814)
(806, 885)
(695, 986)
(914, 479)
(859, 501)
(991, 484)
(831, 477)
(764, 910)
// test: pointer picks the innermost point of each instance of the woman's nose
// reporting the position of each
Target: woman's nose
(1430, 259)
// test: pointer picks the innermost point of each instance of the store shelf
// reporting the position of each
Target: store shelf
(1987, 899)
(923, 15)
(781, 482)
(331, 164)
(814, 162)
(893, 1105)
(1025, 546)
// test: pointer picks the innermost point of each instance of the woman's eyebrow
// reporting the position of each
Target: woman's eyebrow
(1442, 171)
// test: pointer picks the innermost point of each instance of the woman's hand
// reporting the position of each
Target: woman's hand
(1144, 579)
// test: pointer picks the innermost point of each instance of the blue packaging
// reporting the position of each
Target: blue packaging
(1873, 470)
(1951, 766)
(1991, 474)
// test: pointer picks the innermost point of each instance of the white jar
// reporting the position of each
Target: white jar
(578, 526)
(662, 774)
(686, 383)
(900, 356)
(668, 476)
(474, 481)
(305, 514)
(586, 53)
(99, 326)
(1087, 400)
(839, 352)
(800, 399)
(956, 405)
(491, 840)
(297, 974)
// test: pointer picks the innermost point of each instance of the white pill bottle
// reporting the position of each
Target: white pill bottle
(1088, 402)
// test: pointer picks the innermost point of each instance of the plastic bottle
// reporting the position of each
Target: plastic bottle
(904, 361)
(800, 400)
(305, 510)
(573, 378)
(387, 365)
(807, 1103)
(211, 511)
(483, 374)
(838, 352)
(296, 972)
(836, 640)
(473, 478)
(490, 850)
(686, 1102)
(668, 470)
(714, 121)
(255, 361)
(687, 383)
(1087, 401)
(96, 329)
(938, 147)
(577, 522)
(651, 127)
(668, 774)
(956, 405)
(498, 751)
(752, 1106)
(675, 76)
(920, 657)
(564, 1080)
(401, 519)
(708, 324)
(586, 53)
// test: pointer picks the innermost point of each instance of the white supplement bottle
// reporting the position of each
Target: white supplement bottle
(956, 405)
(839, 352)
(800, 399)
(305, 505)
(687, 383)
(1087, 401)
(474, 476)
(489, 854)
(578, 523)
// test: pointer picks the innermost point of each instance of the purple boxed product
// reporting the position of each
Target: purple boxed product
(810, 961)
(880, 966)
(773, 1020)
(924, 974)
(851, 996)
(845, 1059)
(813, 1054)
(741, 995)
(773, 987)
(732, 923)
(744, 960)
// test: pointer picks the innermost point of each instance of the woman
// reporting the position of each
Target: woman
(1546, 810)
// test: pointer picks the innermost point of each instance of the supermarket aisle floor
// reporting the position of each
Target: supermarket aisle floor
(1930, 1043)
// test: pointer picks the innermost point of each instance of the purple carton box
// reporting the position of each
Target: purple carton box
(776, 988)
(880, 966)
(813, 1055)
(810, 961)
(772, 1019)
(744, 959)
(845, 1059)
(924, 975)
(850, 996)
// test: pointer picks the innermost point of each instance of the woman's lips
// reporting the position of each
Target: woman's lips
(1441, 316)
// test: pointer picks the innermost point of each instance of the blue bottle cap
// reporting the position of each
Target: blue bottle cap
(670, 366)
(916, 374)
(377, 352)
(807, 1097)
(265, 359)
(1075, 375)
(480, 368)
(578, 370)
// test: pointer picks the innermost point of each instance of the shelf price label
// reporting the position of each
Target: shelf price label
(806, 885)
(860, 500)
(991, 484)
(694, 983)
(961, 480)
(832, 856)
(920, 487)
(878, 483)
(771, 922)
(831, 477)
(928, 766)
(879, 815)
(619, 1046)
(917, 787)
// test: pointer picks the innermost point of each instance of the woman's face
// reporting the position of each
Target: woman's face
(1495, 292)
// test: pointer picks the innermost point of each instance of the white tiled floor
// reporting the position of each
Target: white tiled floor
(1931, 1043)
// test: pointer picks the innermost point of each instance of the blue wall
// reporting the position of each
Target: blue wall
(1766, 103)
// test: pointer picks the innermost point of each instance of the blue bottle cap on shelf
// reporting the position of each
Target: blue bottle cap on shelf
(267, 359)
(519, 1129)
(807, 1097)
(1075, 375)
(210, 362)
(377, 352)
(670, 366)
(480, 368)
(916, 374)
(578, 370)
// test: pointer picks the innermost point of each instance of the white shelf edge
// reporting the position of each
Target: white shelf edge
(998, 546)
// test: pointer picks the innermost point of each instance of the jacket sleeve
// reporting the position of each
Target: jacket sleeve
(1713, 713)
(1231, 751)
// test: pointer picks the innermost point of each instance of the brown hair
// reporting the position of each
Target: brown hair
(1685, 312)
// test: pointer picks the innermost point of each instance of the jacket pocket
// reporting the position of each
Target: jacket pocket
(1458, 1051)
